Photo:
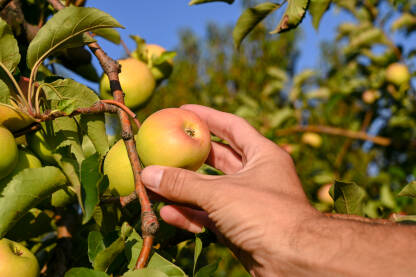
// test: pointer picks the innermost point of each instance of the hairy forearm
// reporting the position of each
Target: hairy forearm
(343, 247)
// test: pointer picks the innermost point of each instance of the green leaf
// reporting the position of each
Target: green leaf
(33, 224)
(293, 16)
(95, 244)
(105, 257)
(348, 198)
(66, 29)
(84, 272)
(9, 50)
(409, 190)
(94, 126)
(109, 34)
(133, 247)
(145, 272)
(208, 270)
(91, 178)
(26, 190)
(197, 2)
(317, 9)
(4, 92)
(249, 19)
(197, 252)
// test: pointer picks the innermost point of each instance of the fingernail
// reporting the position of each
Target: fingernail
(152, 176)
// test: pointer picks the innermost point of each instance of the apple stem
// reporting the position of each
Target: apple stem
(190, 132)
(150, 223)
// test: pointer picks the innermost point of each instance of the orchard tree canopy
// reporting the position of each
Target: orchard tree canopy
(349, 124)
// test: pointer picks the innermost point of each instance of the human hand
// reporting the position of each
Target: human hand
(256, 208)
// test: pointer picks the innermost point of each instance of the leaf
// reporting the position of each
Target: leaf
(105, 257)
(249, 19)
(293, 16)
(145, 272)
(348, 197)
(26, 190)
(66, 29)
(409, 190)
(406, 21)
(84, 272)
(9, 50)
(317, 9)
(33, 224)
(109, 34)
(133, 247)
(409, 219)
(208, 270)
(91, 177)
(94, 126)
(197, 2)
(197, 252)
(95, 244)
(4, 93)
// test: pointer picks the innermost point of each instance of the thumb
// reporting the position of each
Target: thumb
(179, 185)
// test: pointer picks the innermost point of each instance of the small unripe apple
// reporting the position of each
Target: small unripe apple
(8, 152)
(370, 96)
(323, 194)
(397, 74)
(12, 118)
(312, 139)
(117, 167)
(38, 144)
(159, 71)
(26, 160)
(174, 137)
(16, 260)
(136, 81)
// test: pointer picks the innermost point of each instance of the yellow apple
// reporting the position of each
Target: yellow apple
(174, 137)
(397, 74)
(370, 96)
(159, 71)
(323, 194)
(39, 144)
(12, 118)
(312, 139)
(136, 80)
(118, 170)
(26, 160)
(8, 152)
(16, 260)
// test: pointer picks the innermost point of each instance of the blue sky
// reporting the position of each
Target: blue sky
(158, 21)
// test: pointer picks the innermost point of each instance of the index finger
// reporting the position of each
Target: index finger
(242, 137)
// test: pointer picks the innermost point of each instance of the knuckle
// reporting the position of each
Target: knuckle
(174, 182)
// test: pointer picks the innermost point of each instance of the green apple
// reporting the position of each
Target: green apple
(160, 71)
(16, 260)
(39, 144)
(312, 139)
(118, 170)
(323, 194)
(397, 74)
(26, 160)
(174, 137)
(136, 80)
(9, 155)
(12, 118)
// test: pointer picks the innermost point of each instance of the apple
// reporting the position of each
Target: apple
(397, 74)
(39, 144)
(370, 96)
(118, 170)
(323, 194)
(16, 260)
(170, 137)
(174, 137)
(159, 71)
(12, 118)
(8, 152)
(136, 80)
(26, 160)
(312, 139)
